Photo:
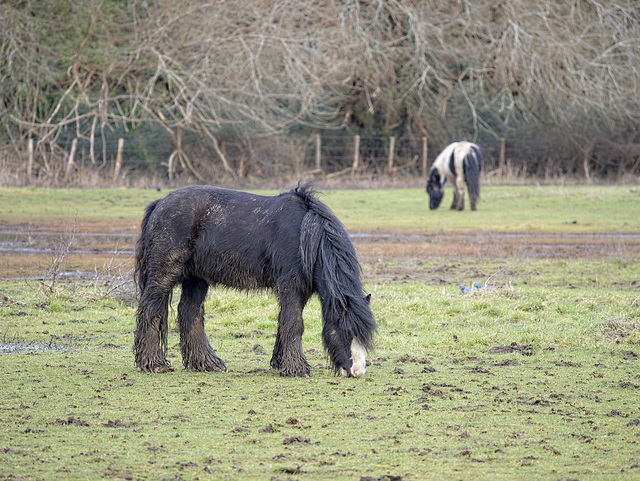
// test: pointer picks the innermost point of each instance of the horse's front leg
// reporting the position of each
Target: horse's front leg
(197, 353)
(458, 196)
(150, 342)
(454, 204)
(288, 355)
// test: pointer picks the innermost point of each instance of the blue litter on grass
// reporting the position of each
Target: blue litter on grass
(476, 287)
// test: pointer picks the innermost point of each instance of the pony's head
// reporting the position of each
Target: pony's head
(348, 336)
(434, 189)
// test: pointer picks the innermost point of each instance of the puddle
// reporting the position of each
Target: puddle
(36, 348)
(551, 245)
(28, 254)
(26, 348)
(492, 235)
(22, 242)
(37, 243)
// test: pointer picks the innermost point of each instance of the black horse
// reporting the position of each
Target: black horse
(291, 243)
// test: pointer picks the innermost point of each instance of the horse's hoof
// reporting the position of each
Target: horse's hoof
(155, 366)
(294, 373)
(217, 368)
(214, 365)
(299, 374)
(161, 369)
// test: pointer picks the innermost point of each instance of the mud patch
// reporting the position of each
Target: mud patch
(409, 258)
(30, 252)
(525, 350)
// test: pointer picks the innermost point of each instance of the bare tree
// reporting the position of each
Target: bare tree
(231, 72)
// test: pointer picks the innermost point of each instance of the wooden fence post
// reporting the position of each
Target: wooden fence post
(116, 171)
(501, 158)
(392, 149)
(424, 157)
(586, 168)
(30, 160)
(356, 155)
(318, 153)
(92, 150)
(72, 155)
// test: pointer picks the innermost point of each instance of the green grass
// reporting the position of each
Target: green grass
(436, 402)
(506, 209)
(537, 379)
(572, 209)
(31, 205)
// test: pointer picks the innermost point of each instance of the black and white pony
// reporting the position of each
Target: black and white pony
(291, 243)
(459, 163)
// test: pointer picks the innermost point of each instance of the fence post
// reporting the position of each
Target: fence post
(392, 148)
(585, 165)
(356, 155)
(30, 160)
(318, 153)
(72, 155)
(424, 157)
(501, 158)
(92, 150)
(116, 171)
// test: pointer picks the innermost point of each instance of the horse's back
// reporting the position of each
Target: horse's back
(212, 208)
(229, 237)
(454, 158)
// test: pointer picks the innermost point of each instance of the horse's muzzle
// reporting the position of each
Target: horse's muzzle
(358, 363)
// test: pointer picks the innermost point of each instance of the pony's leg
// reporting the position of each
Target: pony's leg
(454, 204)
(288, 355)
(473, 192)
(150, 342)
(197, 353)
(473, 200)
(459, 190)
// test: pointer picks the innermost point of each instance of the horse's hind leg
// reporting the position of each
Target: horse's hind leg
(288, 355)
(150, 343)
(473, 200)
(197, 353)
(458, 194)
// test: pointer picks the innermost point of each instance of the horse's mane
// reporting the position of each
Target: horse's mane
(321, 232)
(332, 268)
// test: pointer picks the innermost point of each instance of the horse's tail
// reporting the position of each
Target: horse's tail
(332, 270)
(472, 167)
(141, 257)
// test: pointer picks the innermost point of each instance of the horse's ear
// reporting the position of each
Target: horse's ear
(368, 298)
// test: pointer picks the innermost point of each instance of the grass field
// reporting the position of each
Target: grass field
(570, 209)
(536, 379)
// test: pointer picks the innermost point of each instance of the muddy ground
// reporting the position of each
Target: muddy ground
(447, 385)
(97, 250)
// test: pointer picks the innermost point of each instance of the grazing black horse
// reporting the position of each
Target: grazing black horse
(460, 163)
(291, 243)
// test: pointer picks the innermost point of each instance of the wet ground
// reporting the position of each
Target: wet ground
(31, 253)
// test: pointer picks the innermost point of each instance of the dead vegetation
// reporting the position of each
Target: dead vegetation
(240, 90)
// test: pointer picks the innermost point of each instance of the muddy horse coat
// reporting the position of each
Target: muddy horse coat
(291, 243)
(459, 163)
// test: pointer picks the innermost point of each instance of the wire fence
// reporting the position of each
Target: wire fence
(331, 155)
